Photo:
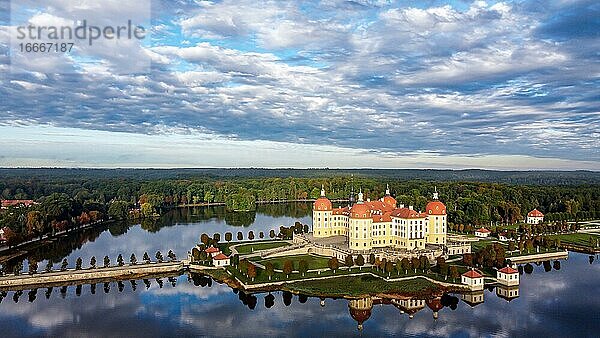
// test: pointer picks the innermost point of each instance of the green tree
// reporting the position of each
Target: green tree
(171, 255)
(119, 210)
(159, 256)
(348, 261)
(78, 263)
(106, 261)
(133, 259)
(228, 236)
(64, 265)
(195, 254)
(272, 233)
(372, 259)
(360, 260)
(146, 257)
(240, 236)
(120, 260)
(147, 210)
(93, 262)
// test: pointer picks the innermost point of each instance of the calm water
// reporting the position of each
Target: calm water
(563, 303)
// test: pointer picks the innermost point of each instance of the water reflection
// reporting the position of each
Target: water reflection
(178, 230)
(556, 302)
(547, 303)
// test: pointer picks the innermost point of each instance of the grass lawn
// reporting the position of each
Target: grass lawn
(576, 238)
(481, 244)
(360, 285)
(244, 249)
(314, 262)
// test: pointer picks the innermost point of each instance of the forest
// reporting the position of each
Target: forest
(68, 198)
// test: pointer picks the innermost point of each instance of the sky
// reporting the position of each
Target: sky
(330, 83)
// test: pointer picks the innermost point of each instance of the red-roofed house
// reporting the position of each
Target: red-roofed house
(212, 251)
(220, 260)
(535, 217)
(472, 279)
(16, 203)
(482, 232)
(508, 276)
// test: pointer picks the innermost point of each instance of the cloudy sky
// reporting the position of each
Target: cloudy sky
(336, 83)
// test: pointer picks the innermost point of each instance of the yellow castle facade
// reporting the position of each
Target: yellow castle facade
(381, 223)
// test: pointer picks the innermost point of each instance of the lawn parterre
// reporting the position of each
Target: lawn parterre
(582, 239)
(314, 261)
(244, 249)
(361, 285)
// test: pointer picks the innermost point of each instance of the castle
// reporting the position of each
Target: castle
(381, 223)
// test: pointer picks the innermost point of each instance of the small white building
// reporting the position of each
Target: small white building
(503, 237)
(221, 260)
(535, 217)
(508, 276)
(472, 279)
(212, 251)
(482, 232)
(472, 298)
(507, 292)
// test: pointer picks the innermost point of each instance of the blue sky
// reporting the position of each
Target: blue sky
(391, 84)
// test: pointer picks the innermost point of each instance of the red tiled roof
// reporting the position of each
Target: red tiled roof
(322, 203)
(220, 257)
(382, 218)
(435, 208)
(508, 270)
(389, 201)
(360, 210)
(483, 230)
(341, 211)
(535, 213)
(472, 274)
(12, 203)
(212, 249)
(407, 213)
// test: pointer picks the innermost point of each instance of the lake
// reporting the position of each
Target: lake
(557, 303)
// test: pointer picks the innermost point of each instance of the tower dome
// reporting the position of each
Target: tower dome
(388, 199)
(435, 207)
(322, 203)
(360, 209)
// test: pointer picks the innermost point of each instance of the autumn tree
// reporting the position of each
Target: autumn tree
(333, 264)
(269, 269)
(288, 267)
(303, 267)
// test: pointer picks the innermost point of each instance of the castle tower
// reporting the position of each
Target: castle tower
(322, 212)
(437, 225)
(360, 224)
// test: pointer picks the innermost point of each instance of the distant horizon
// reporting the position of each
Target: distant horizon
(307, 168)
(237, 83)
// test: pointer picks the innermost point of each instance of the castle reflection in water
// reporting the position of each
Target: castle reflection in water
(360, 308)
